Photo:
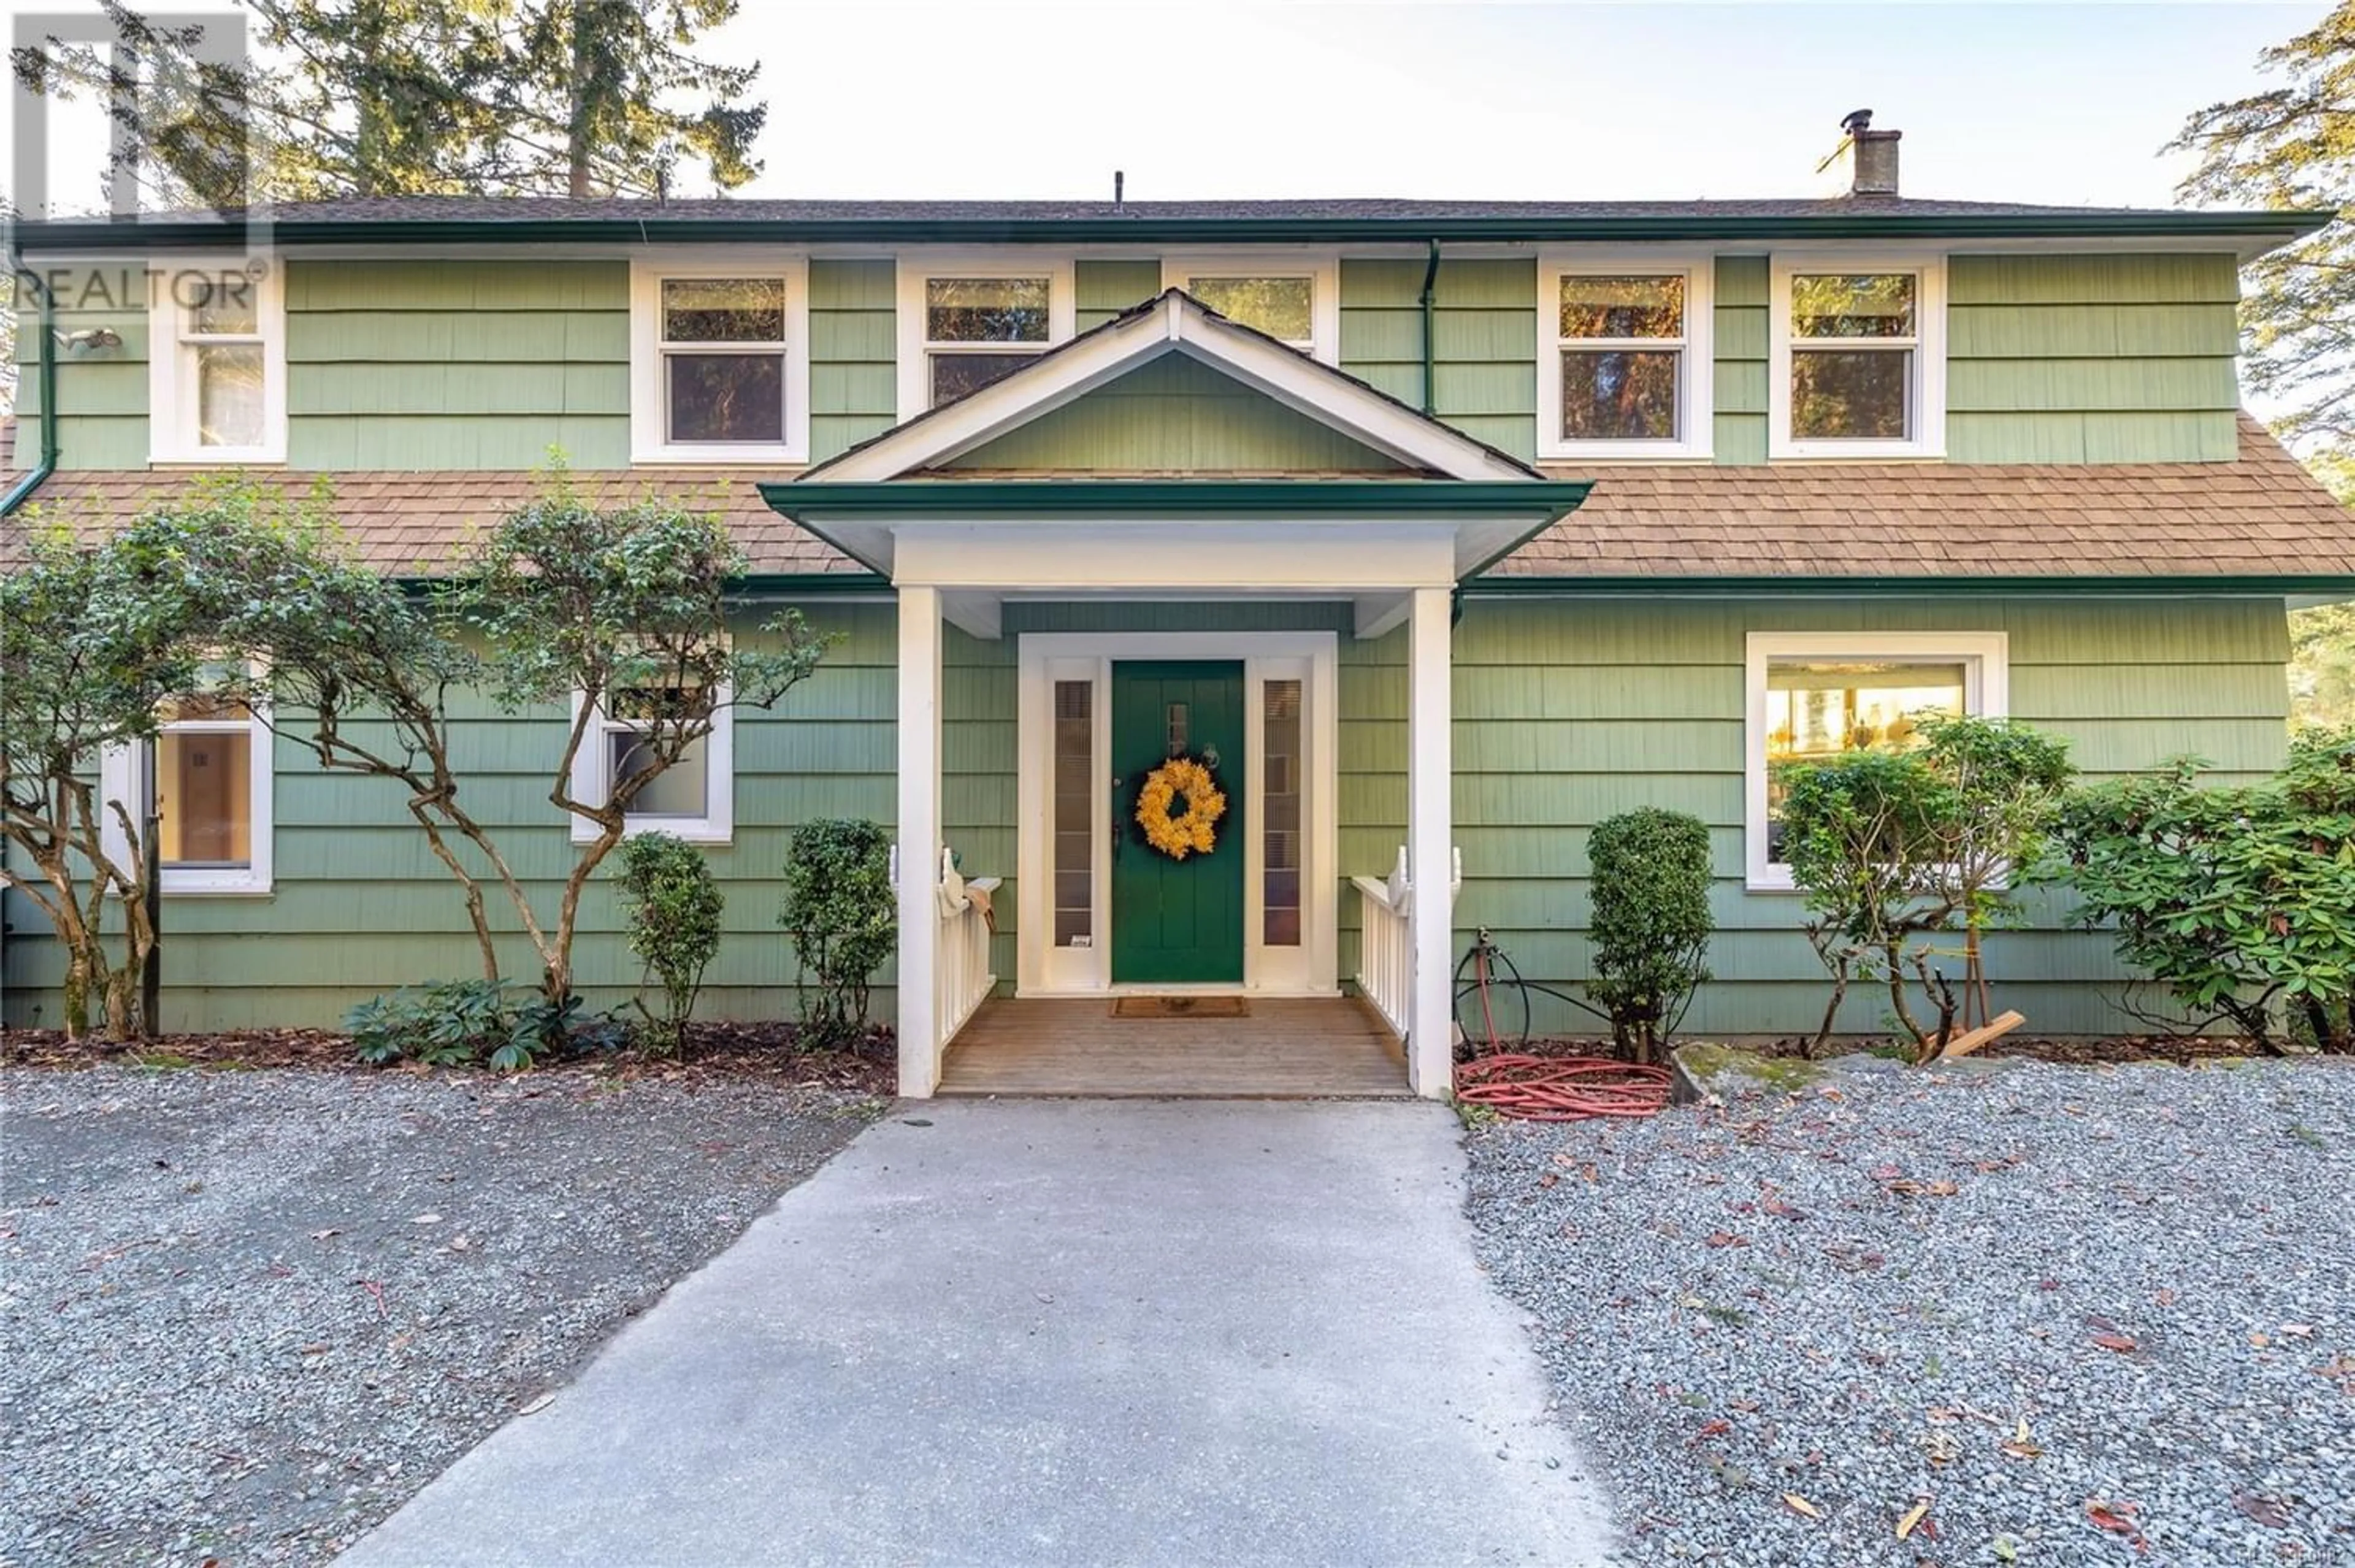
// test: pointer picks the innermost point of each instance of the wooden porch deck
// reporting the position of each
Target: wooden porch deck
(1284, 1049)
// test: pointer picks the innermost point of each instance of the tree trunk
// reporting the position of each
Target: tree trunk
(578, 127)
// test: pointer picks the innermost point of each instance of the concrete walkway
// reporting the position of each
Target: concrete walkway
(1058, 1332)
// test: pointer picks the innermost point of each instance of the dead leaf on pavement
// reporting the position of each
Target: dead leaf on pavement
(1801, 1506)
(1725, 1239)
(1913, 1517)
(2118, 1342)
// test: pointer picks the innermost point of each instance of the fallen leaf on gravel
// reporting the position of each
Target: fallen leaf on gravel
(316, 1349)
(1725, 1239)
(2165, 1298)
(537, 1405)
(1747, 1406)
(2118, 1342)
(2264, 1510)
(1716, 1427)
(322, 1235)
(2048, 1285)
(2021, 1448)
(1549, 1178)
(426, 1220)
(1913, 1517)
(2258, 1341)
(2298, 1330)
(2006, 1548)
(1801, 1506)
(1886, 1173)
(2118, 1519)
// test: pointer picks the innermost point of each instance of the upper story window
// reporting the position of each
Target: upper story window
(720, 361)
(211, 782)
(1813, 696)
(1858, 353)
(1626, 366)
(217, 366)
(964, 324)
(1293, 299)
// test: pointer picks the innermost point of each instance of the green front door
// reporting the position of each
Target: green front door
(1176, 922)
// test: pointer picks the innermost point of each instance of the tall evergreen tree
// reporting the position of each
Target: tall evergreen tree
(2293, 144)
(416, 97)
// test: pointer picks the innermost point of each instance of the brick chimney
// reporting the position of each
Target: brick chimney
(1873, 155)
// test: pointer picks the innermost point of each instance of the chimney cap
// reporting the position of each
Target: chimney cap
(1857, 121)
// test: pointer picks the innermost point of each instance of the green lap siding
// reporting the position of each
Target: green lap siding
(2123, 358)
(1568, 712)
(854, 390)
(102, 392)
(1484, 341)
(1740, 366)
(1104, 288)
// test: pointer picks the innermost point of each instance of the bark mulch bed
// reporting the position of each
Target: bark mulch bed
(765, 1052)
(2081, 1051)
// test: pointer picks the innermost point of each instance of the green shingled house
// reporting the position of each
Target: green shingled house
(1453, 528)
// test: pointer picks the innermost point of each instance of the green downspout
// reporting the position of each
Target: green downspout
(22, 490)
(1429, 292)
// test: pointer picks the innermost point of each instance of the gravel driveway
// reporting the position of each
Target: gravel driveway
(2086, 1316)
(247, 1314)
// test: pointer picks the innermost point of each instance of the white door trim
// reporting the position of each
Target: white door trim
(1044, 657)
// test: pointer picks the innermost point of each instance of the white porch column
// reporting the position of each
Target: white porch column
(1430, 840)
(920, 840)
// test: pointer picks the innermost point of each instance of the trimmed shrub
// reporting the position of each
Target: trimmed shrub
(840, 916)
(461, 1023)
(2238, 903)
(673, 904)
(1651, 923)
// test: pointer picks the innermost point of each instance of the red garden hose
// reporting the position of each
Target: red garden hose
(1561, 1088)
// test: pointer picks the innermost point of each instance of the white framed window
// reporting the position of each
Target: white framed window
(1628, 357)
(720, 359)
(1811, 695)
(1293, 298)
(694, 798)
(216, 363)
(212, 777)
(966, 322)
(1857, 357)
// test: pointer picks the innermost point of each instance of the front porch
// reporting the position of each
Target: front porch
(1260, 1048)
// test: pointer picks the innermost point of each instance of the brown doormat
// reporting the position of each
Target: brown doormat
(1181, 1006)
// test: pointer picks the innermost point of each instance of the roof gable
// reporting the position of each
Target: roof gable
(1176, 325)
(1174, 414)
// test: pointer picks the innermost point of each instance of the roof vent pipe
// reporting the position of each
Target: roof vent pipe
(1119, 181)
(1872, 157)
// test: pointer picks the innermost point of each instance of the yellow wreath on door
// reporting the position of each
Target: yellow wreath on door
(1192, 831)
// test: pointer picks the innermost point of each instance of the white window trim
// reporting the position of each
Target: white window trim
(916, 380)
(1321, 268)
(172, 399)
(1697, 389)
(1986, 658)
(649, 421)
(1929, 388)
(123, 776)
(718, 823)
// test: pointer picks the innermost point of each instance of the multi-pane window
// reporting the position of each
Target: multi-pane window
(1858, 360)
(1621, 358)
(1281, 812)
(976, 330)
(1075, 813)
(1813, 696)
(722, 347)
(1624, 363)
(1853, 340)
(1283, 308)
(216, 379)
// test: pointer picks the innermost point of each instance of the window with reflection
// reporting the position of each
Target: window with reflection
(1622, 357)
(722, 343)
(1855, 339)
(1281, 811)
(1818, 708)
(978, 330)
(1075, 813)
(205, 756)
(1283, 308)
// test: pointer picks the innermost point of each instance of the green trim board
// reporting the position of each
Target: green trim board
(655, 225)
(2050, 586)
(1177, 497)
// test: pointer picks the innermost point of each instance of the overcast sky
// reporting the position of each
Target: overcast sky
(2027, 103)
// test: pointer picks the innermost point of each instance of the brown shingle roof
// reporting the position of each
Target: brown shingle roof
(2261, 516)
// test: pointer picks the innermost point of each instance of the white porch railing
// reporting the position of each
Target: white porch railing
(1386, 942)
(962, 980)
